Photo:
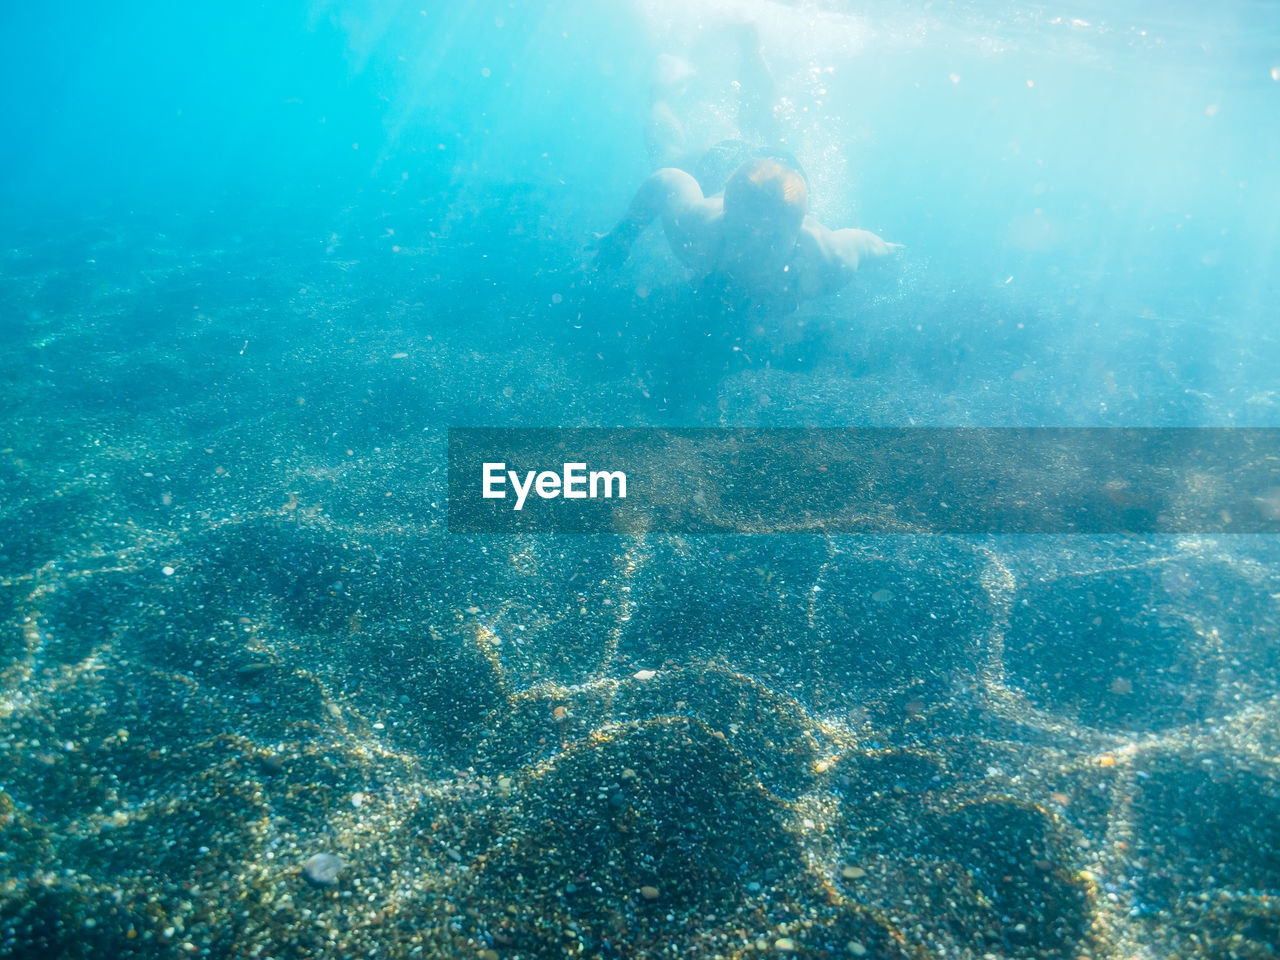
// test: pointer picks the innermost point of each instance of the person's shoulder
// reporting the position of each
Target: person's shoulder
(818, 263)
(678, 183)
(809, 239)
(815, 244)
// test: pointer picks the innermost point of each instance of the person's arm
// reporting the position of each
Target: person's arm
(828, 258)
(668, 193)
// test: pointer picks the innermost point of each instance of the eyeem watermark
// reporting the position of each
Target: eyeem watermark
(874, 481)
(572, 483)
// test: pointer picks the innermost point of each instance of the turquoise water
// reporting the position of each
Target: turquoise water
(257, 701)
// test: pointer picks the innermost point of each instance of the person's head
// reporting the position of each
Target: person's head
(764, 205)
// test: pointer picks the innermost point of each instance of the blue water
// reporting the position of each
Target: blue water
(255, 259)
(1139, 168)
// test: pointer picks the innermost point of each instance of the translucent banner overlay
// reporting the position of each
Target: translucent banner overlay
(874, 481)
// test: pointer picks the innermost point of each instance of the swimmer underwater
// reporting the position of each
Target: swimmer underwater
(756, 239)
(747, 233)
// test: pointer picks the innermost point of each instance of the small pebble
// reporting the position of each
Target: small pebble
(322, 869)
(857, 949)
(649, 893)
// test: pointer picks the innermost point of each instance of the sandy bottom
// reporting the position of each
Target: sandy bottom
(236, 634)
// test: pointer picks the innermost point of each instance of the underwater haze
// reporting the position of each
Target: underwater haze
(256, 698)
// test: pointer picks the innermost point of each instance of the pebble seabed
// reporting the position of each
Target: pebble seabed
(255, 702)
